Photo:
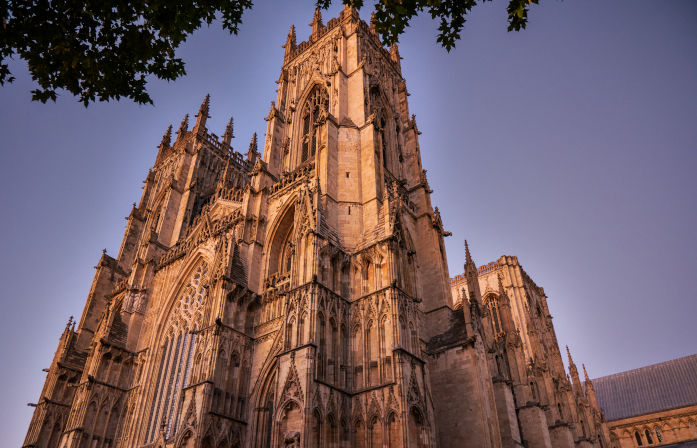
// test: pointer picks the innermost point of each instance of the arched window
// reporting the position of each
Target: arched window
(316, 435)
(418, 431)
(282, 249)
(289, 333)
(331, 432)
(384, 352)
(638, 438)
(301, 330)
(359, 434)
(402, 332)
(357, 346)
(375, 433)
(55, 434)
(322, 352)
(345, 280)
(372, 350)
(315, 107)
(233, 375)
(383, 142)
(345, 438)
(175, 358)
(344, 357)
(649, 439)
(414, 340)
(333, 351)
(394, 432)
(659, 435)
(493, 305)
(264, 412)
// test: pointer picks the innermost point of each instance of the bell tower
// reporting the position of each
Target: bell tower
(353, 249)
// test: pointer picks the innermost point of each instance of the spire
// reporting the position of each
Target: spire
(69, 324)
(202, 115)
(578, 390)
(167, 138)
(183, 127)
(373, 21)
(590, 390)
(229, 132)
(252, 152)
(316, 25)
(571, 360)
(164, 144)
(468, 256)
(472, 275)
(290, 42)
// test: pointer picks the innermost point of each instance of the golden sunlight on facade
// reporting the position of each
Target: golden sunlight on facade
(303, 298)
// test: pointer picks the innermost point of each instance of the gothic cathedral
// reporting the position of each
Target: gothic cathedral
(302, 298)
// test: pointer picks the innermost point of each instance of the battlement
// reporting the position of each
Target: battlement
(481, 270)
(345, 16)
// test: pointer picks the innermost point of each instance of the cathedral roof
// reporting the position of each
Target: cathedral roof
(658, 387)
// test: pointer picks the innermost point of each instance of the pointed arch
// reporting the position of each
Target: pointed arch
(357, 355)
(375, 432)
(331, 436)
(359, 433)
(177, 327)
(280, 251)
(264, 410)
(313, 111)
(418, 429)
(321, 340)
(393, 429)
(187, 439)
(316, 430)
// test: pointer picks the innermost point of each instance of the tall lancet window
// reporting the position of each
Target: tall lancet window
(313, 113)
(493, 306)
(383, 142)
(176, 355)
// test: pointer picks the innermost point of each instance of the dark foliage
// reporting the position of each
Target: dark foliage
(106, 49)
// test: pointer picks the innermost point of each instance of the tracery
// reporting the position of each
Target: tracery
(313, 112)
(176, 355)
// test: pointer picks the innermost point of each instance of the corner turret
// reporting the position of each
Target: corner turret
(290, 45)
(317, 25)
(229, 133)
(183, 127)
(202, 116)
(252, 152)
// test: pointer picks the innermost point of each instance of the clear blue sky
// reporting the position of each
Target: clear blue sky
(572, 145)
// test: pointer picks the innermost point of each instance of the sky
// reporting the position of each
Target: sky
(572, 145)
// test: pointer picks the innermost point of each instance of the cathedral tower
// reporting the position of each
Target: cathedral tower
(297, 296)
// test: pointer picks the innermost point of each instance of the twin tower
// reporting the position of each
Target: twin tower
(302, 298)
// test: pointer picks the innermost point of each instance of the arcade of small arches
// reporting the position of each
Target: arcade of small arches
(292, 253)
(333, 423)
(656, 434)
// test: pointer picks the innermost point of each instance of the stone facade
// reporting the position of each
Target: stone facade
(302, 298)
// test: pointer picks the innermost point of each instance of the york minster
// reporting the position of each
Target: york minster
(296, 293)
